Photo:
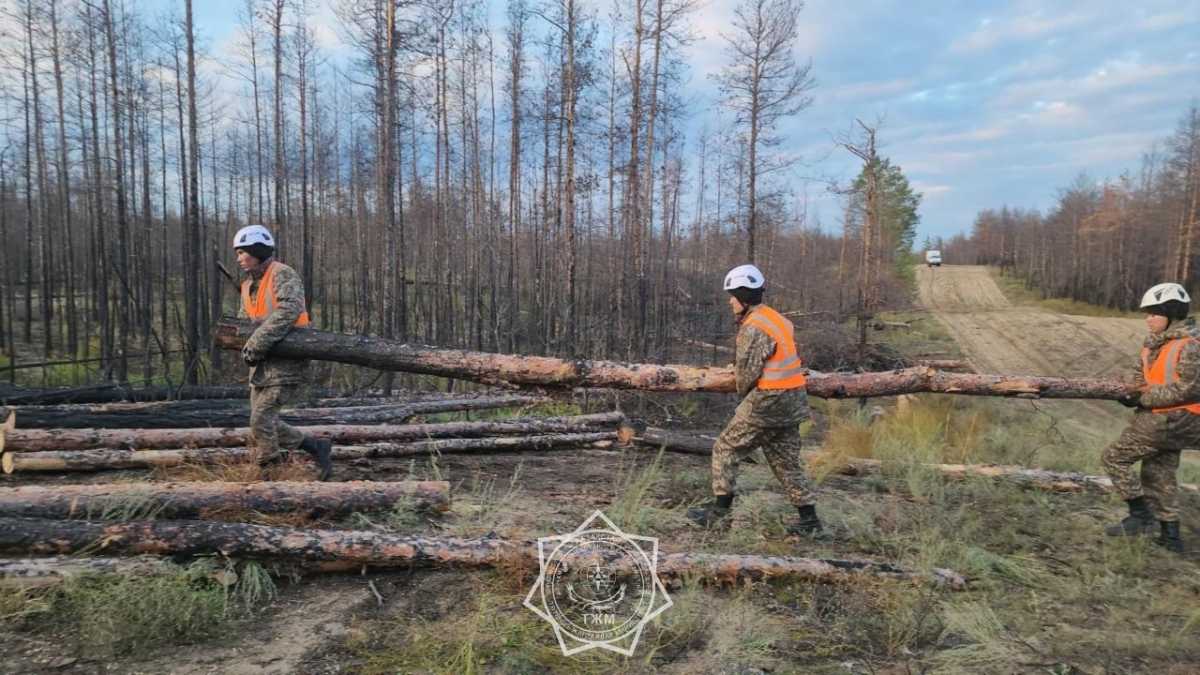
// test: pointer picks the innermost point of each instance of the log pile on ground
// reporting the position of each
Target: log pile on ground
(27, 449)
(107, 459)
(234, 413)
(39, 440)
(544, 371)
(342, 550)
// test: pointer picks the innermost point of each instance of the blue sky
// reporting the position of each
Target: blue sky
(984, 103)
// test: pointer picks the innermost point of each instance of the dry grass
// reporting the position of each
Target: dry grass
(296, 467)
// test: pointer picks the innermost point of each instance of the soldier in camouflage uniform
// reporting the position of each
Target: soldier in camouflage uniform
(770, 382)
(273, 296)
(1166, 421)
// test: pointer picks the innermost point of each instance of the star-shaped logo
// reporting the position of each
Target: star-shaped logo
(598, 587)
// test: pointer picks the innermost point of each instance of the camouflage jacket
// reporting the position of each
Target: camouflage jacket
(1187, 388)
(272, 371)
(763, 407)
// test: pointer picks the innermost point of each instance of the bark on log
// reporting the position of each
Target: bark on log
(25, 573)
(469, 445)
(195, 499)
(237, 413)
(104, 459)
(40, 440)
(342, 550)
(545, 371)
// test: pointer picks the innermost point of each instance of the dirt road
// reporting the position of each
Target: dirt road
(999, 337)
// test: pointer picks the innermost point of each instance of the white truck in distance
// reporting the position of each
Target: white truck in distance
(933, 258)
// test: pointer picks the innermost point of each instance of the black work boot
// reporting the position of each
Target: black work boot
(713, 512)
(1168, 536)
(809, 523)
(1139, 522)
(322, 451)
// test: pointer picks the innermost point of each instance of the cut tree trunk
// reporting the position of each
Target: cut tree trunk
(104, 459)
(354, 550)
(545, 371)
(237, 414)
(8, 419)
(25, 573)
(385, 354)
(39, 440)
(195, 499)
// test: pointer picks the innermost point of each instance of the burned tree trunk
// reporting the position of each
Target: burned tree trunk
(545, 371)
(100, 460)
(353, 550)
(42, 440)
(202, 499)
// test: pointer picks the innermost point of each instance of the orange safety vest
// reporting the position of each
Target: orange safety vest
(263, 303)
(783, 370)
(1162, 371)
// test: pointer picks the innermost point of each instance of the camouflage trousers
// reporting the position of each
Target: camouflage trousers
(1155, 440)
(780, 445)
(268, 434)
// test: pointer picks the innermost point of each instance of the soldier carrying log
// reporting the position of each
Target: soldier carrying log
(273, 297)
(771, 382)
(1166, 421)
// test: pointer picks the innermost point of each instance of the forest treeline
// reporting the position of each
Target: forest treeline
(1103, 242)
(524, 187)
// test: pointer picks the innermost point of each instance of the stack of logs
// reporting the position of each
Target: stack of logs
(124, 527)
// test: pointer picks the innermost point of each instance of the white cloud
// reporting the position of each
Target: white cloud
(1023, 26)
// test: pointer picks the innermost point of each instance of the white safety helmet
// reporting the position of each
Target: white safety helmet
(744, 276)
(251, 235)
(1161, 293)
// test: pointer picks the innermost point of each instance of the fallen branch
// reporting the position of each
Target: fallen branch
(352, 550)
(191, 500)
(106, 459)
(545, 371)
(40, 440)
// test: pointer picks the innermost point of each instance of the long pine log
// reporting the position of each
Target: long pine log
(551, 372)
(195, 499)
(38, 440)
(109, 459)
(356, 549)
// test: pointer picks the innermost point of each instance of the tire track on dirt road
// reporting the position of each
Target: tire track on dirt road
(997, 336)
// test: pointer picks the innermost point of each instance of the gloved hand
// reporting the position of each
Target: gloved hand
(251, 356)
